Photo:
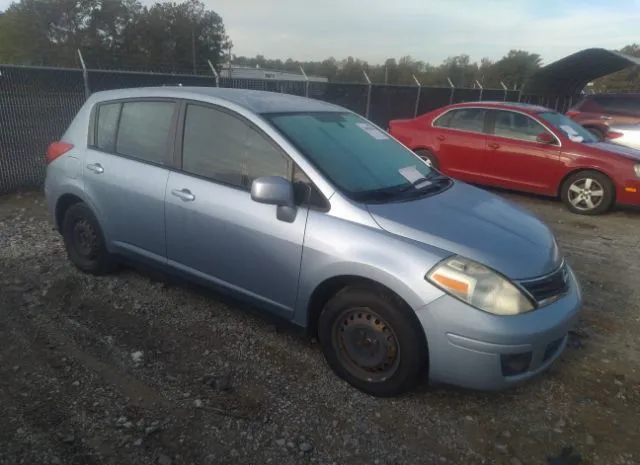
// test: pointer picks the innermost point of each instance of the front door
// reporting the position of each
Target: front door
(125, 174)
(518, 161)
(460, 143)
(214, 230)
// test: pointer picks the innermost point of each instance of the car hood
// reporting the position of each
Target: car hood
(627, 152)
(471, 222)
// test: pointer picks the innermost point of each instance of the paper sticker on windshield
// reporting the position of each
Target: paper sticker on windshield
(411, 173)
(571, 133)
(372, 131)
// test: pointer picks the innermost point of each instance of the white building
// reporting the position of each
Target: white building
(247, 72)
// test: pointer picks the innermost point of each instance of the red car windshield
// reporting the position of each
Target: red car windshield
(574, 131)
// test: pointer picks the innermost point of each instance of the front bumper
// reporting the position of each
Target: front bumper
(469, 348)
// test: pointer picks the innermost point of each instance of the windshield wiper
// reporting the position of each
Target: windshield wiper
(420, 184)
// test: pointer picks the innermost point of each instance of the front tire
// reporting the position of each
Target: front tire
(84, 241)
(370, 340)
(588, 193)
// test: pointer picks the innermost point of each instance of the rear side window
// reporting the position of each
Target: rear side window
(107, 126)
(224, 148)
(144, 130)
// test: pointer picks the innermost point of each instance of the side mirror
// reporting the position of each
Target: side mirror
(275, 190)
(545, 138)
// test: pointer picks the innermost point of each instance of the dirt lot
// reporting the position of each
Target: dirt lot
(131, 370)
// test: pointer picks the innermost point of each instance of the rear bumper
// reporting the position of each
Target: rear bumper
(473, 349)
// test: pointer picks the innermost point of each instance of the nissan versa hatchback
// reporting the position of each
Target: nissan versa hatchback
(320, 217)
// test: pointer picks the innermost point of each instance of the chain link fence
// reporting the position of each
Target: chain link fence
(37, 104)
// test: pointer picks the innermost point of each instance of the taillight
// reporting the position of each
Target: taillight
(57, 149)
(572, 113)
(614, 134)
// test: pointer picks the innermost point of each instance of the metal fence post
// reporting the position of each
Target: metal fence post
(306, 82)
(85, 75)
(481, 90)
(215, 73)
(415, 110)
(453, 90)
(368, 93)
(506, 90)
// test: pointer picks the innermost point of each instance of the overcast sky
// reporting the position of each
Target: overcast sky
(429, 30)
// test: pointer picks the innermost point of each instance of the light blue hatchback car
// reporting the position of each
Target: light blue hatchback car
(320, 217)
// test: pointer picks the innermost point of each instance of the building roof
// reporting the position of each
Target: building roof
(257, 101)
(569, 75)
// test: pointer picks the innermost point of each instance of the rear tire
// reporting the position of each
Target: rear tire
(84, 241)
(588, 193)
(370, 340)
(429, 158)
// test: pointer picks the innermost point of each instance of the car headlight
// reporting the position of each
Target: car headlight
(479, 286)
(636, 168)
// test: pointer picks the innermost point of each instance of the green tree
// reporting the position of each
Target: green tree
(112, 33)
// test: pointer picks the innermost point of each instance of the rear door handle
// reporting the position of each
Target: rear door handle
(96, 168)
(493, 145)
(606, 118)
(184, 194)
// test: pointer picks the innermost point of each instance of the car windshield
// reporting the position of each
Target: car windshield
(569, 128)
(363, 161)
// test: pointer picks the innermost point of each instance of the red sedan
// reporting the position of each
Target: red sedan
(526, 148)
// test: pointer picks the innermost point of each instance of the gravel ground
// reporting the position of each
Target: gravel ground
(131, 369)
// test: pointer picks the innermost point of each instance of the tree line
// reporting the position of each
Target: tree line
(184, 37)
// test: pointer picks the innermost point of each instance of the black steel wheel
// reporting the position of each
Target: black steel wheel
(371, 339)
(367, 344)
(84, 241)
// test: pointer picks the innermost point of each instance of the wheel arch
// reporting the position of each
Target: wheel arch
(580, 169)
(328, 288)
(62, 205)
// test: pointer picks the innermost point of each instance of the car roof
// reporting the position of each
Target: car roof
(256, 101)
(527, 107)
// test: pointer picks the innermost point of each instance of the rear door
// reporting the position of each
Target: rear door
(126, 171)
(516, 159)
(460, 143)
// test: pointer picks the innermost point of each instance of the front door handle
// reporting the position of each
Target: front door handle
(493, 145)
(440, 138)
(184, 194)
(606, 118)
(96, 168)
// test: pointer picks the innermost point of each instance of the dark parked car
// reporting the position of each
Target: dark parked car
(599, 112)
(526, 148)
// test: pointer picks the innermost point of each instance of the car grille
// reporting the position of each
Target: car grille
(549, 287)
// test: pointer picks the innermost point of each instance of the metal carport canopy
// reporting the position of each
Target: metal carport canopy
(569, 75)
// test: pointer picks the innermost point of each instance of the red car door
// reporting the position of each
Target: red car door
(515, 158)
(459, 143)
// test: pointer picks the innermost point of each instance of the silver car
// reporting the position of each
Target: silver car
(321, 218)
(627, 135)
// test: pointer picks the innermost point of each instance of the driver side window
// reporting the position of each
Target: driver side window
(518, 126)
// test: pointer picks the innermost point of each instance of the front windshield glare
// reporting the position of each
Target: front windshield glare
(355, 155)
(570, 128)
